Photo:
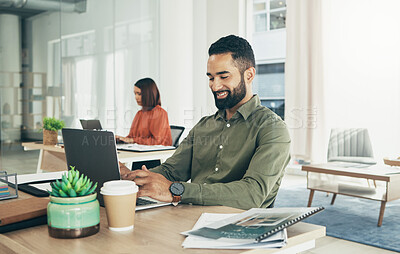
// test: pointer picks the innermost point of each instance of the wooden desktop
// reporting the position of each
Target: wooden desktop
(156, 230)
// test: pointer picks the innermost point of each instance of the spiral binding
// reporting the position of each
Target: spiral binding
(289, 223)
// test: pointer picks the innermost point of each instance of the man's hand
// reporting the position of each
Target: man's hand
(123, 170)
(150, 184)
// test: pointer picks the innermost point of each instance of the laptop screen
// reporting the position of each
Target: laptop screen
(94, 154)
(93, 124)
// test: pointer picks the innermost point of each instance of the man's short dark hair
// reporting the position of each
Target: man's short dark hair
(242, 53)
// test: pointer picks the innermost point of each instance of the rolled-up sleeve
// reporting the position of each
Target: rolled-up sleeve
(178, 166)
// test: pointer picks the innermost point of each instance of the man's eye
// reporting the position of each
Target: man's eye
(211, 79)
(224, 77)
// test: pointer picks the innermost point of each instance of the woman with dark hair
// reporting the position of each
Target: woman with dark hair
(150, 125)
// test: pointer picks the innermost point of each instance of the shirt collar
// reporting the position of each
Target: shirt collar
(245, 110)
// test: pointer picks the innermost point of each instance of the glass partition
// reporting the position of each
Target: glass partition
(79, 61)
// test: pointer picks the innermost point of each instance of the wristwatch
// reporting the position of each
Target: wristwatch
(176, 189)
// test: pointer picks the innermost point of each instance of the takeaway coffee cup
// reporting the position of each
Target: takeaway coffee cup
(120, 202)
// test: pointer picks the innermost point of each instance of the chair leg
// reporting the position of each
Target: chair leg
(333, 198)
(310, 198)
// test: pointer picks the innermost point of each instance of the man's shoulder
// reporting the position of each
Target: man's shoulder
(269, 124)
(264, 115)
(208, 118)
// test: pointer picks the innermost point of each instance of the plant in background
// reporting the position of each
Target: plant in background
(52, 124)
(72, 184)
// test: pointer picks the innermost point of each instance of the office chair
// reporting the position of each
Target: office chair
(176, 133)
(350, 145)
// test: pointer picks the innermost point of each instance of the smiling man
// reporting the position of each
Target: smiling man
(235, 157)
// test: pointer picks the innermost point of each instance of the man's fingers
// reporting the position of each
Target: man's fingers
(123, 169)
(141, 181)
(127, 177)
(143, 193)
(140, 173)
(144, 168)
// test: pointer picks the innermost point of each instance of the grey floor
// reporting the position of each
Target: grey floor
(15, 160)
(327, 244)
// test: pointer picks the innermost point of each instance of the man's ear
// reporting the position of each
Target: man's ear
(249, 75)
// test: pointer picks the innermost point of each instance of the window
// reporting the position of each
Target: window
(269, 84)
(269, 15)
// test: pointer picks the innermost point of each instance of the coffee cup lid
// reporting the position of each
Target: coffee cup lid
(119, 187)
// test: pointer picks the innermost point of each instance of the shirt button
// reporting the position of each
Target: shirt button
(228, 125)
(216, 169)
(220, 147)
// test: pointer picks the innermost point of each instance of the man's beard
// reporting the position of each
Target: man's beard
(233, 97)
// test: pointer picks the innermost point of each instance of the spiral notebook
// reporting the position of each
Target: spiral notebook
(256, 224)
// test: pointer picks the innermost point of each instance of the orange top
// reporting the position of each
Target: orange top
(151, 127)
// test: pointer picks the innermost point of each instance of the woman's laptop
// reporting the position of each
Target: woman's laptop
(92, 124)
(94, 154)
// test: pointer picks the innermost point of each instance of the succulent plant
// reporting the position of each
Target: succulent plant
(72, 184)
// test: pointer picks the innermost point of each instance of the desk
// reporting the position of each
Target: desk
(337, 179)
(52, 158)
(156, 230)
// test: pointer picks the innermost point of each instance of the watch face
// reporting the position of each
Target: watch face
(177, 189)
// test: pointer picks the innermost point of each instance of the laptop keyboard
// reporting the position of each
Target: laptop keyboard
(141, 201)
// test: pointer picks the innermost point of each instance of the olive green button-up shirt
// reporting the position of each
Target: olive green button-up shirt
(237, 162)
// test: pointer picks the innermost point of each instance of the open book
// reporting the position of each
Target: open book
(255, 224)
(277, 240)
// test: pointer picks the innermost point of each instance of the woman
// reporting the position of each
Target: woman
(150, 125)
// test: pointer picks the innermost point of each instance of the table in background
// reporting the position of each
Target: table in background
(386, 182)
(156, 231)
(52, 158)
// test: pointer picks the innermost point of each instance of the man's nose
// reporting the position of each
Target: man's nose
(216, 85)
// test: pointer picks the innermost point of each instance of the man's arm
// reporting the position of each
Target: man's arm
(155, 183)
(258, 185)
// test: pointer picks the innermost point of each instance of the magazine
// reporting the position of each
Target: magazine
(275, 241)
(255, 224)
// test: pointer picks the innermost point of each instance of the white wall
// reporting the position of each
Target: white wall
(188, 28)
(176, 58)
(362, 58)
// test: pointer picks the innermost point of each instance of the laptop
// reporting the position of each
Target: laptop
(92, 124)
(94, 154)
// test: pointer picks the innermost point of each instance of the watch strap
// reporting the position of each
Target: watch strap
(176, 200)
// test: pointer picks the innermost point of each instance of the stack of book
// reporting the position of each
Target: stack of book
(4, 191)
(257, 228)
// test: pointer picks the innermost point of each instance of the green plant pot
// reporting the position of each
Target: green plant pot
(73, 217)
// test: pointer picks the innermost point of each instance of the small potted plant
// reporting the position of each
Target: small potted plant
(73, 210)
(50, 128)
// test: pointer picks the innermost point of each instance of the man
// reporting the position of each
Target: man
(235, 157)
